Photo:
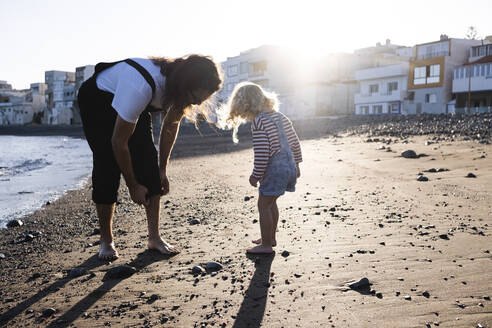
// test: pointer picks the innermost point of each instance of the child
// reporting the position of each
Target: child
(277, 153)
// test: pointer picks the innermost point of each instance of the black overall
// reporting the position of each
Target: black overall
(98, 119)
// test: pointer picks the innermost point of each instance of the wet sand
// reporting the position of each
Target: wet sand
(359, 211)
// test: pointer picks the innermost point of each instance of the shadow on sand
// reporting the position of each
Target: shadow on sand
(143, 260)
(252, 308)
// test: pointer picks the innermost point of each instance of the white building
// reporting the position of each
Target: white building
(20, 106)
(59, 104)
(382, 89)
(472, 82)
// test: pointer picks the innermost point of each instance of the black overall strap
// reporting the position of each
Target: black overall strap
(143, 72)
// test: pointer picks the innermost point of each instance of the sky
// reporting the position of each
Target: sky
(39, 36)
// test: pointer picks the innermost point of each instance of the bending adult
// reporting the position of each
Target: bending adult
(115, 106)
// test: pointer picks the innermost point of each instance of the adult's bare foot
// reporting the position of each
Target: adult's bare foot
(260, 249)
(258, 242)
(162, 246)
(107, 251)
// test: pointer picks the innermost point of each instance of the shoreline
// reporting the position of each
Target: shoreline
(353, 195)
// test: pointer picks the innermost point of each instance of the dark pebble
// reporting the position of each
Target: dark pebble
(444, 236)
(48, 312)
(409, 154)
(194, 222)
(213, 267)
(246, 198)
(426, 294)
(422, 178)
(197, 270)
(363, 283)
(153, 298)
(285, 253)
(379, 295)
(471, 175)
(14, 223)
(28, 237)
(119, 272)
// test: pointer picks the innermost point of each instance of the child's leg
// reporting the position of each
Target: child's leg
(266, 224)
(275, 215)
(274, 221)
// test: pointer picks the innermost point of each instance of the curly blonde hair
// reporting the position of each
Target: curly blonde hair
(246, 101)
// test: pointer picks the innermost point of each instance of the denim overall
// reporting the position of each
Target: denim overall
(281, 172)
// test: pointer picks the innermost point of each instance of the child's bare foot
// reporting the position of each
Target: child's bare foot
(258, 242)
(260, 249)
(161, 246)
(107, 251)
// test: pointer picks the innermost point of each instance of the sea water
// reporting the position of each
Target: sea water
(37, 170)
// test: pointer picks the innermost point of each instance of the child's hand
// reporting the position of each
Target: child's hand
(253, 181)
(298, 170)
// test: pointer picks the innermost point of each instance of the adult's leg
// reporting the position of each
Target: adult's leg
(145, 165)
(266, 223)
(153, 218)
(98, 119)
(107, 250)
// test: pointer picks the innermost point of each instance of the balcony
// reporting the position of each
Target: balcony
(380, 97)
(433, 55)
(472, 84)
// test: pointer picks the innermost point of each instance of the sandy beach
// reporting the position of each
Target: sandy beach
(359, 211)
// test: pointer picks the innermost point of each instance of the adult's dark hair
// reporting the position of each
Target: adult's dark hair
(187, 74)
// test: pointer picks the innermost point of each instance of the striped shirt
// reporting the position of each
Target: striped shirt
(266, 143)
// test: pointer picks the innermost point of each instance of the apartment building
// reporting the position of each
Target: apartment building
(472, 82)
(60, 96)
(431, 74)
(21, 106)
(382, 90)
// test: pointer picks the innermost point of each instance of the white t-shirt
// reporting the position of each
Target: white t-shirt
(132, 93)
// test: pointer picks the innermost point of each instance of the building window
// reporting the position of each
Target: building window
(394, 108)
(430, 98)
(419, 75)
(364, 110)
(373, 88)
(230, 86)
(434, 74)
(377, 109)
(232, 70)
(243, 67)
(258, 68)
(392, 86)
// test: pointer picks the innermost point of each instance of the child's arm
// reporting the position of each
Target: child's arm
(261, 147)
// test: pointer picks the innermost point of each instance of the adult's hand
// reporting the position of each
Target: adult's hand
(298, 170)
(164, 183)
(138, 193)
